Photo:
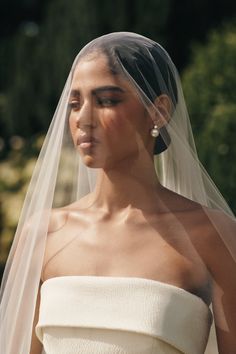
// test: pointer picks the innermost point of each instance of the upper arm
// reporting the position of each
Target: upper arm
(220, 258)
(224, 310)
(36, 345)
(224, 300)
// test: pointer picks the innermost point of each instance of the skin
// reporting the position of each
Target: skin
(116, 231)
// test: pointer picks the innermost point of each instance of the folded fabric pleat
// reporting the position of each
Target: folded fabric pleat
(165, 313)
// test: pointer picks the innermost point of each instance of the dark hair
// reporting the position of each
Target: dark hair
(141, 58)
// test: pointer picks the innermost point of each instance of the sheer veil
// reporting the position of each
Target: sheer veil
(61, 178)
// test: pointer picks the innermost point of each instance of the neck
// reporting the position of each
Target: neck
(128, 185)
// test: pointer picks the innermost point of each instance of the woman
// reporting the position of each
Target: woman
(145, 242)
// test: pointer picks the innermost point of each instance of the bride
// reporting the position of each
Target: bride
(124, 241)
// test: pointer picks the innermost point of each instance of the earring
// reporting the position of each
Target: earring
(155, 131)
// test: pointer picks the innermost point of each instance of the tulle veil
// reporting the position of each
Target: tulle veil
(60, 177)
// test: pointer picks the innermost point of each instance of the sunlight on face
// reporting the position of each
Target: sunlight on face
(108, 122)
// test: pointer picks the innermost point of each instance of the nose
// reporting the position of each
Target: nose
(85, 116)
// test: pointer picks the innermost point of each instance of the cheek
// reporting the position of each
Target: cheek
(114, 124)
(73, 128)
(120, 135)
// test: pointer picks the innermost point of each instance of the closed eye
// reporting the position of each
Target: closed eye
(74, 105)
(107, 102)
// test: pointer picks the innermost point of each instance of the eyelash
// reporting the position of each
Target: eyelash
(74, 106)
(106, 102)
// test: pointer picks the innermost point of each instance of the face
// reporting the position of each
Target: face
(108, 122)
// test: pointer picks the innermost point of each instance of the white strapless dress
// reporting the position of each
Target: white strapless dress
(120, 315)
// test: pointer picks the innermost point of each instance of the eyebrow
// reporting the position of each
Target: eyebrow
(108, 88)
(97, 90)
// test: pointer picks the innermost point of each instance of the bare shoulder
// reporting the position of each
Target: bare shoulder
(64, 226)
(59, 216)
(210, 229)
(57, 219)
(218, 228)
(219, 240)
(213, 234)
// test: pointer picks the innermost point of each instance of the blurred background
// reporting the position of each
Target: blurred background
(38, 42)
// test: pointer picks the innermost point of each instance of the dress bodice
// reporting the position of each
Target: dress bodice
(120, 315)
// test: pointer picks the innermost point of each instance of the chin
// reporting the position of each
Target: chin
(92, 161)
(89, 161)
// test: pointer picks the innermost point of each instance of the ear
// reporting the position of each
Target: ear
(163, 112)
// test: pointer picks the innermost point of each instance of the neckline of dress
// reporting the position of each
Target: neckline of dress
(141, 279)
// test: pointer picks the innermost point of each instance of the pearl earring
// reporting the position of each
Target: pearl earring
(155, 131)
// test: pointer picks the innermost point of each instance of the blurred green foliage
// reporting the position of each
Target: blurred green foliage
(38, 59)
(15, 173)
(210, 91)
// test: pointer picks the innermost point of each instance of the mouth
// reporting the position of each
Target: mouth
(86, 142)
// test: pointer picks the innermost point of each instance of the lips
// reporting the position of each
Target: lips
(85, 142)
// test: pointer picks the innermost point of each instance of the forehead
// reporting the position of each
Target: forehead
(94, 70)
